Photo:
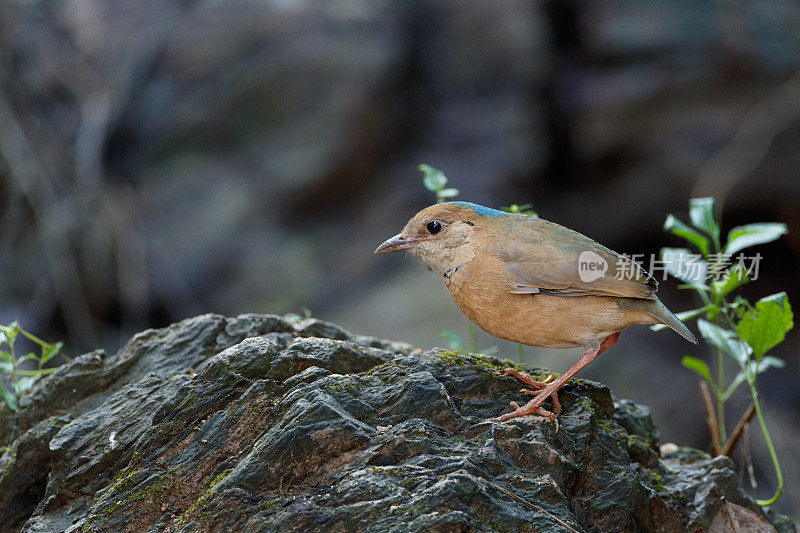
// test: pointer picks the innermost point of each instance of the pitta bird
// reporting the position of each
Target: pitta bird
(534, 282)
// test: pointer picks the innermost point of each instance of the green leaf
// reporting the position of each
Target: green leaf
(763, 365)
(769, 362)
(5, 355)
(10, 333)
(448, 193)
(683, 316)
(765, 326)
(698, 366)
(742, 237)
(725, 340)
(8, 397)
(27, 357)
(525, 209)
(24, 384)
(6, 367)
(684, 265)
(50, 351)
(433, 178)
(676, 227)
(738, 380)
(740, 305)
(701, 211)
(734, 278)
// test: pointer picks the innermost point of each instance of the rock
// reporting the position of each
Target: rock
(89, 379)
(243, 426)
(24, 467)
(312, 327)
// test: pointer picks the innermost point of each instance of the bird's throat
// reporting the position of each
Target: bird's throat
(444, 260)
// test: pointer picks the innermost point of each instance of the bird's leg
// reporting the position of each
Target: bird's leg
(540, 386)
(533, 406)
(556, 402)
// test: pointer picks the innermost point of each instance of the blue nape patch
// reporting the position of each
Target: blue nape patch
(481, 210)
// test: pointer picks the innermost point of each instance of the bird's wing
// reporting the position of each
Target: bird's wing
(546, 258)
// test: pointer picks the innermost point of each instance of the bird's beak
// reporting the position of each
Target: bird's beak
(395, 244)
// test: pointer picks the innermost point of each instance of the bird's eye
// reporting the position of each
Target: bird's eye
(434, 227)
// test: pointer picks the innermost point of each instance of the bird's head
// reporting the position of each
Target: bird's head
(441, 235)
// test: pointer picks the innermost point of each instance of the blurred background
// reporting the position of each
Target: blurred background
(161, 159)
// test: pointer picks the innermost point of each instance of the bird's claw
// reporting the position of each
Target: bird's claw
(526, 409)
(534, 406)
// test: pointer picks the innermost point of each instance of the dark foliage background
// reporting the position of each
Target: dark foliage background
(161, 159)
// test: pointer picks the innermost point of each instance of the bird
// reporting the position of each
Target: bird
(534, 282)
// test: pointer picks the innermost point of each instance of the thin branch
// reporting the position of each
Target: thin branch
(711, 418)
(737, 433)
(536, 508)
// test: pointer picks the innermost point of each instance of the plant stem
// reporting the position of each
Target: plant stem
(521, 353)
(13, 369)
(720, 391)
(37, 372)
(473, 337)
(32, 337)
(719, 302)
(770, 447)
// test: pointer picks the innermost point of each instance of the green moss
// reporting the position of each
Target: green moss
(200, 510)
(409, 482)
(412, 510)
(605, 424)
(608, 425)
(270, 504)
(655, 482)
(153, 491)
(340, 386)
(150, 492)
(452, 358)
(122, 479)
(136, 459)
(216, 480)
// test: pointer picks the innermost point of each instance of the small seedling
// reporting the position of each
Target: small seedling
(733, 326)
(525, 209)
(21, 380)
(436, 182)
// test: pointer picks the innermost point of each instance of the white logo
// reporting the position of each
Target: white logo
(591, 266)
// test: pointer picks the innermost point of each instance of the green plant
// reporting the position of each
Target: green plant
(525, 209)
(20, 380)
(436, 182)
(733, 326)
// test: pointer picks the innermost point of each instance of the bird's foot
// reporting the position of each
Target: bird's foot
(527, 379)
(539, 386)
(528, 409)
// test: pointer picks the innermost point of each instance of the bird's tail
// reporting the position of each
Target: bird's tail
(659, 311)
